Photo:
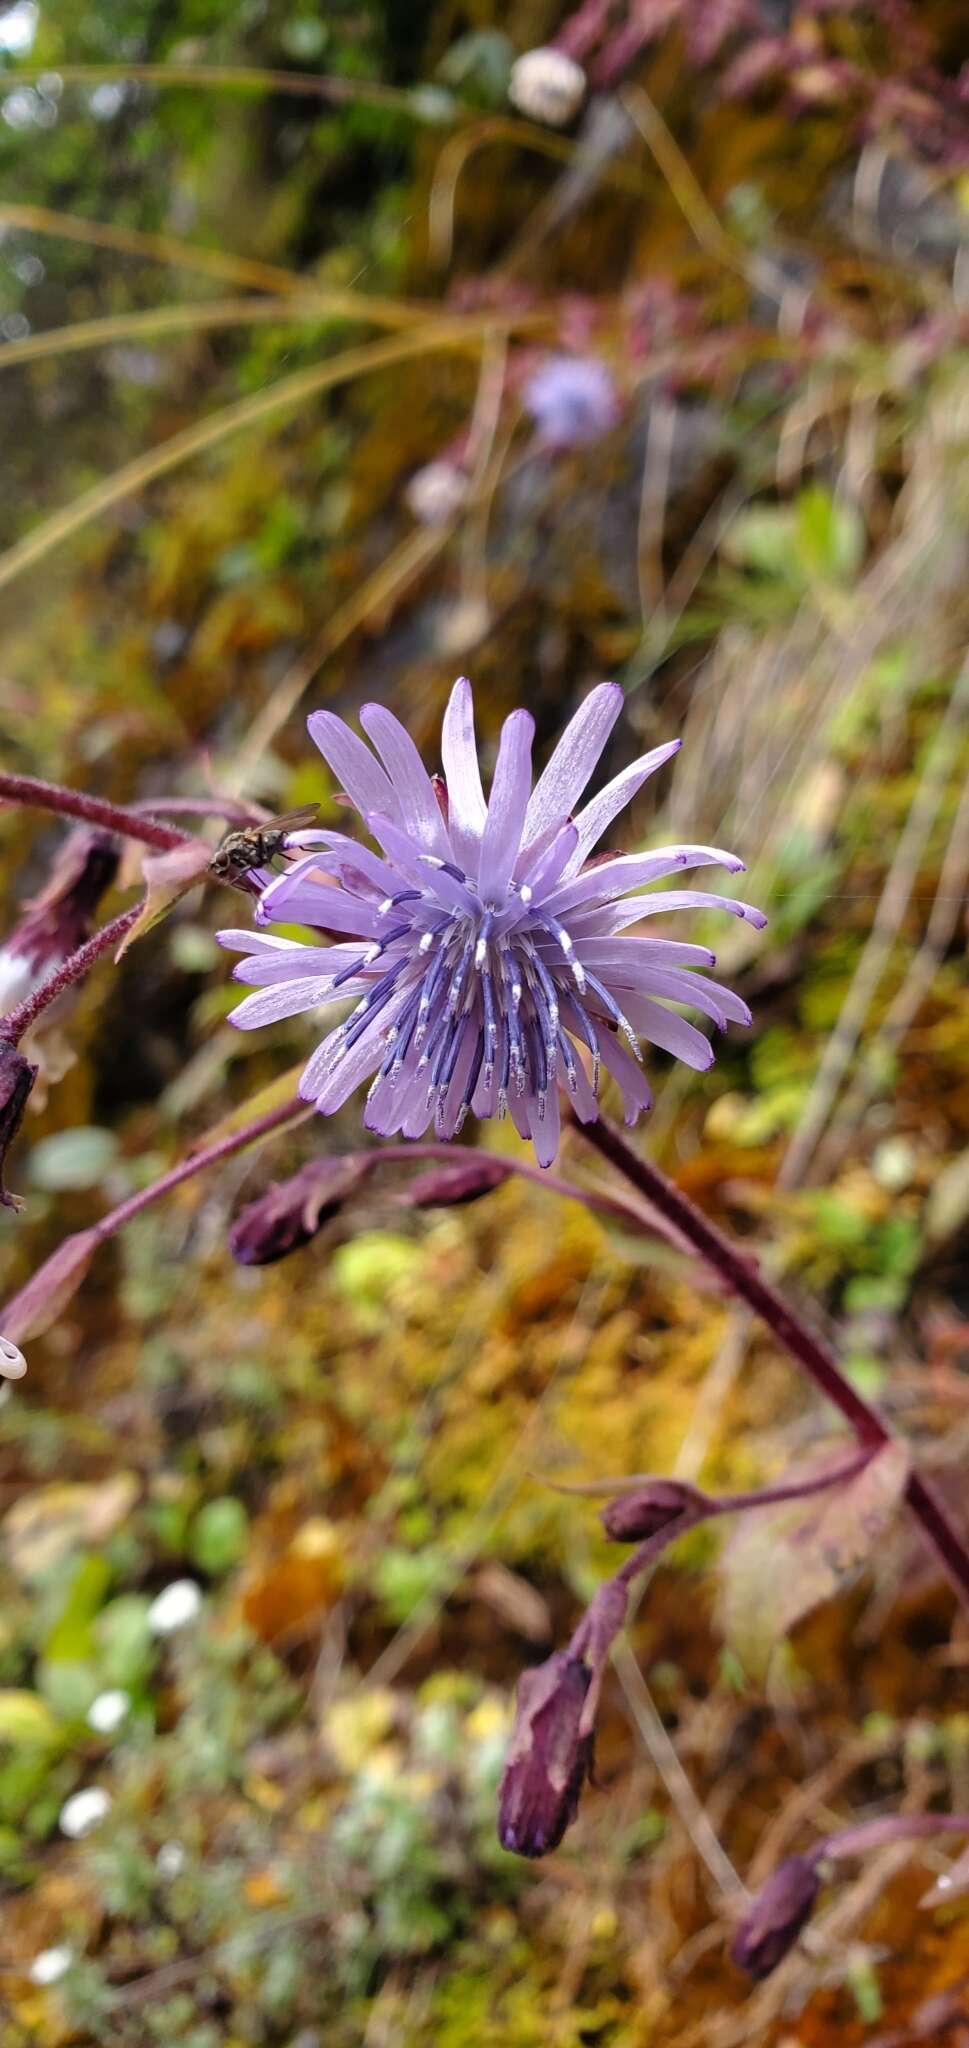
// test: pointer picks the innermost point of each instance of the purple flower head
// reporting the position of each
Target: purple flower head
(572, 400)
(482, 952)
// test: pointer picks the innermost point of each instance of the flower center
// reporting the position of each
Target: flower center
(496, 988)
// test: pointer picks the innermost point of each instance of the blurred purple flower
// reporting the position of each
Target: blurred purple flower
(481, 950)
(572, 400)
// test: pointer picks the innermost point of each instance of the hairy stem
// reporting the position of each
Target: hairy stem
(13, 1026)
(75, 803)
(813, 1356)
(890, 1827)
(23, 1306)
(591, 1198)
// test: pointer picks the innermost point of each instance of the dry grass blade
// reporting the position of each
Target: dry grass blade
(893, 903)
(456, 333)
(97, 234)
(252, 312)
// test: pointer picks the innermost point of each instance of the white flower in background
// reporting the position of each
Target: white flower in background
(84, 1811)
(51, 1965)
(170, 1860)
(436, 492)
(174, 1607)
(13, 1364)
(547, 85)
(107, 1712)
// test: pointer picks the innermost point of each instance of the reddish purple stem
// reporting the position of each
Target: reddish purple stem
(75, 803)
(744, 1279)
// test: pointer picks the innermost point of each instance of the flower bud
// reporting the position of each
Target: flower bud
(547, 85)
(465, 1181)
(550, 1756)
(59, 919)
(17, 1078)
(772, 1924)
(631, 1517)
(291, 1212)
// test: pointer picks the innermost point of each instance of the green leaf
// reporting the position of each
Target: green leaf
(74, 1159)
(26, 1721)
(71, 1637)
(830, 535)
(219, 1535)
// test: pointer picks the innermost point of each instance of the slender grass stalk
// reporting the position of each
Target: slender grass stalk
(449, 332)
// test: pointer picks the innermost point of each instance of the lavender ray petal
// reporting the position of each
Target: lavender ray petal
(664, 1028)
(263, 970)
(631, 870)
(592, 822)
(582, 1097)
(286, 999)
(553, 861)
(712, 997)
(614, 917)
(507, 804)
(417, 806)
(343, 1073)
(633, 957)
(467, 809)
(366, 783)
(544, 1128)
(351, 855)
(636, 1093)
(325, 906)
(560, 786)
(237, 940)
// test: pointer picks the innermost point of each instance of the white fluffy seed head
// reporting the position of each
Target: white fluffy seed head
(175, 1606)
(84, 1811)
(51, 1965)
(546, 85)
(436, 492)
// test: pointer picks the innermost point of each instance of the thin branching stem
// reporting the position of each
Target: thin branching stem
(34, 794)
(745, 1279)
(19, 1021)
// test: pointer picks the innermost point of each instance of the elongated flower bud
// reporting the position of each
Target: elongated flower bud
(550, 1756)
(291, 1212)
(17, 1078)
(631, 1517)
(59, 919)
(771, 1926)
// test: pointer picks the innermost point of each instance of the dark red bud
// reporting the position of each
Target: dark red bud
(291, 1212)
(550, 1756)
(631, 1517)
(17, 1078)
(59, 918)
(447, 1185)
(772, 1924)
